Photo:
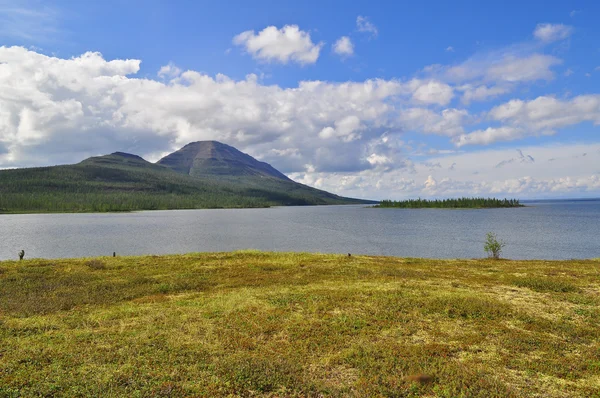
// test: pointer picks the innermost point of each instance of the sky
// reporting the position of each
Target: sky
(370, 99)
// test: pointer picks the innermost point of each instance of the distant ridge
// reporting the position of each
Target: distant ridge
(203, 158)
(204, 174)
(117, 158)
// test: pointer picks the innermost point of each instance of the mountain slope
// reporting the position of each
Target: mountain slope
(213, 158)
(126, 182)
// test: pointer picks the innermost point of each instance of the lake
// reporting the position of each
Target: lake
(543, 230)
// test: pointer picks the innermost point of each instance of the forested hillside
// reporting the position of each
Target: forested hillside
(125, 182)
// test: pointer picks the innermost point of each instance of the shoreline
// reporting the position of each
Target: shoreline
(166, 256)
(182, 208)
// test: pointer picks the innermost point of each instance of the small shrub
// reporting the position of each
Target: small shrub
(493, 246)
(96, 264)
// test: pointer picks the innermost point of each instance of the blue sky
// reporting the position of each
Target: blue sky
(373, 99)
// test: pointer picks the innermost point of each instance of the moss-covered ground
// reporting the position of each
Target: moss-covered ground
(293, 324)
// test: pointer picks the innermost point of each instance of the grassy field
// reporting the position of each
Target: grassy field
(265, 324)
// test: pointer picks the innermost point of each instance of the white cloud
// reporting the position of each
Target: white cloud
(548, 113)
(432, 92)
(477, 173)
(515, 69)
(488, 74)
(343, 46)
(489, 136)
(55, 110)
(364, 25)
(287, 152)
(547, 32)
(375, 159)
(449, 122)
(344, 137)
(169, 71)
(430, 184)
(498, 69)
(473, 93)
(347, 129)
(450, 49)
(288, 44)
(541, 116)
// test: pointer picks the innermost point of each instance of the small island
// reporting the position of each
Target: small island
(457, 203)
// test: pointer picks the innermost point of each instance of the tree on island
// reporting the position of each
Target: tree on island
(457, 203)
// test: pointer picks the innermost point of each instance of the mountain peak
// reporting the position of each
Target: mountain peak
(203, 158)
(126, 155)
(117, 158)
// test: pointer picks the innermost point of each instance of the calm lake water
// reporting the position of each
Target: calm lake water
(544, 230)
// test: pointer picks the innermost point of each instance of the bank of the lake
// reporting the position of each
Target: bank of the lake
(295, 324)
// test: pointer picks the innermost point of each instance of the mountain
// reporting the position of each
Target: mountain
(213, 158)
(200, 175)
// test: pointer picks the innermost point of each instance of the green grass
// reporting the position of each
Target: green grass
(291, 324)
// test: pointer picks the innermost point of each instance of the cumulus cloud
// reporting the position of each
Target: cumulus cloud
(498, 70)
(549, 113)
(514, 69)
(343, 46)
(488, 136)
(541, 116)
(55, 110)
(364, 25)
(476, 173)
(489, 74)
(473, 93)
(449, 122)
(169, 71)
(288, 44)
(347, 129)
(547, 32)
(431, 92)
(345, 137)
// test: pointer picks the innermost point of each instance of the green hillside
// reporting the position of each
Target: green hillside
(125, 182)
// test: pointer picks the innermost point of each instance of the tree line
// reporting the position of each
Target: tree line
(456, 203)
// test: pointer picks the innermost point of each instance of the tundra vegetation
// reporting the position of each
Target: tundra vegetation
(458, 203)
(291, 324)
